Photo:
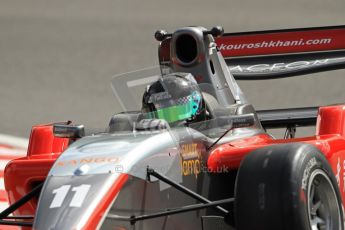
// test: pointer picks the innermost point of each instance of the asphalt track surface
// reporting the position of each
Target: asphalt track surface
(57, 57)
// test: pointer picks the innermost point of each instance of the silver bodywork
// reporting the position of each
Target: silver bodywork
(117, 153)
(98, 161)
(91, 165)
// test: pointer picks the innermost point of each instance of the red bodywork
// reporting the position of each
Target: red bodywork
(246, 44)
(24, 173)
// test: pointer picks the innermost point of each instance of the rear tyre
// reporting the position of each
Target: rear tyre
(288, 186)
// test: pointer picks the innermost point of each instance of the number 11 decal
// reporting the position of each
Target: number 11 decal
(78, 198)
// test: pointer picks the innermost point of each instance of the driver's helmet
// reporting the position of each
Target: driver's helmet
(174, 97)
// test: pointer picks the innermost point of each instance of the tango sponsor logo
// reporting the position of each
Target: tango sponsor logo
(90, 160)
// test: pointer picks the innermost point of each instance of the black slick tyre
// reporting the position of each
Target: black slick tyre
(289, 186)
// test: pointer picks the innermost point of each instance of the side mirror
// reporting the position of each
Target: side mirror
(68, 131)
(241, 121)
(236, 121)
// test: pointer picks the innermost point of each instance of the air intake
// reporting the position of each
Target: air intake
(186, 49)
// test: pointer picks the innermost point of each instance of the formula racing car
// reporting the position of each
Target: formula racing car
(189, 151)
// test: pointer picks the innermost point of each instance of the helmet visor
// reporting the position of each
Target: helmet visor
(183, 108)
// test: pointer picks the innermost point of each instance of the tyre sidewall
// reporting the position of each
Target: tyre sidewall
(283, 172)
(304, 162)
